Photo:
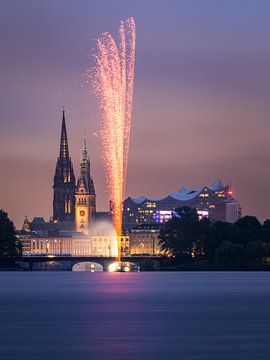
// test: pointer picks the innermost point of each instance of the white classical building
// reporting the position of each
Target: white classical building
(97, 245)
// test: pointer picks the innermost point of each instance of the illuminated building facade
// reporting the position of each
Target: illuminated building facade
(208, 201)
(77, 245)
(85, 197)
(64, 182)
(144, 240)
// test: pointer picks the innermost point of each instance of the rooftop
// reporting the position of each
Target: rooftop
(183, 194)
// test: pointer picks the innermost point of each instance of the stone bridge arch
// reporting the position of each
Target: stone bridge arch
(87, 266)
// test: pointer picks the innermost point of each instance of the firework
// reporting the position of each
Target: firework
(113, 79)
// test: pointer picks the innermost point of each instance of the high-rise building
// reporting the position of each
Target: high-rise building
(85, 197)
(64, 185)
(228, 210)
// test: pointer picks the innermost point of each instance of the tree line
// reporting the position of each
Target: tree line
(244, 244)
(10, 246)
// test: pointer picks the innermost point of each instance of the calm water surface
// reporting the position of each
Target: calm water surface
(85, 316)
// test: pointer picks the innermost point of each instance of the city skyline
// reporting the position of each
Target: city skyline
(200, 103)
(134, 176)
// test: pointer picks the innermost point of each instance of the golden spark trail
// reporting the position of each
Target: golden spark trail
(113, 83)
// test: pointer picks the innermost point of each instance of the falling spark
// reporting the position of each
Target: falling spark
(113, 79)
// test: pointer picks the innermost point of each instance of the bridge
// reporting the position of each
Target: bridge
(66, 263)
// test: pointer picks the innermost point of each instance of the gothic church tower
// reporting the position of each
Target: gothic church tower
(64, 184)
(85, 197)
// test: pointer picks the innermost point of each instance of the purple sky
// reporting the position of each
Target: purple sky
(201, 103)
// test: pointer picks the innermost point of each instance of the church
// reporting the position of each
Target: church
(73, 203)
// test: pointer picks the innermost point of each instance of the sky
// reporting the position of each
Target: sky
(201, 99)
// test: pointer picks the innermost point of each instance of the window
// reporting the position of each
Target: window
(69, 207)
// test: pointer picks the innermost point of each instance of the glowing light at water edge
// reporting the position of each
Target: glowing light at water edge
(126, 266)
(113, 79)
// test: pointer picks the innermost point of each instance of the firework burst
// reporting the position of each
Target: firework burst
(113, 79)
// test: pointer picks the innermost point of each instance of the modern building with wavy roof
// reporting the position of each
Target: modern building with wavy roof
(214, 201)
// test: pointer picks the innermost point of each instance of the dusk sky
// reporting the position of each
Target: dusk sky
(201, 103)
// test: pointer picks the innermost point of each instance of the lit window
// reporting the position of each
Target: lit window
(204, 195)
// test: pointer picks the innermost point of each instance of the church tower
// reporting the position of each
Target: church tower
(85, 198)
(64, 184)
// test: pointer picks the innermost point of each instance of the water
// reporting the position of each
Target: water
(88, 316)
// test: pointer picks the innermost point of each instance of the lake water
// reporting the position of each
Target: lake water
(88, 316)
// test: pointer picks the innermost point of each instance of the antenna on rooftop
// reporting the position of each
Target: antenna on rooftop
(230, 188)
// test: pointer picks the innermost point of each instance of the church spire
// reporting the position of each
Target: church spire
(84, 138)
(84, 163)
(64, 181)
(85, 168)
(64, 152)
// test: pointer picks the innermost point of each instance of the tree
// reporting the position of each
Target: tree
(266, 249)
(10, 246)
(265, 232)
(254, 253)
(245, 230)
(218, 232)
(230, 256)
(178, 235)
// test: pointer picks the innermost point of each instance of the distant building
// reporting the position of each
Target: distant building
(144, 240)
(72, 245)
(42, 227)
(75, 215)
(228, 210)
(214, 201)
(64, 182)
(74, 207)
(26, 225)
(85, 197)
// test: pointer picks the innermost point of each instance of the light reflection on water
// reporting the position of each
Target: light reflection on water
(83, 316)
